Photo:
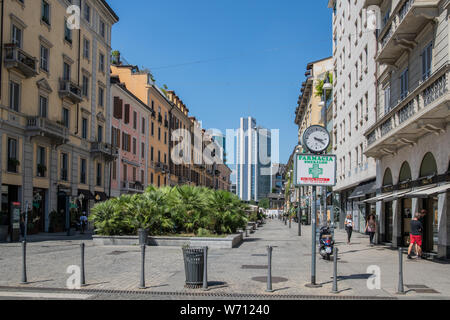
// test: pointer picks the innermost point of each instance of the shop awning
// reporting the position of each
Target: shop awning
(363, 190)
(86, 193)
(396, 195)
(378, 198)
(102, 196)
(427, 192)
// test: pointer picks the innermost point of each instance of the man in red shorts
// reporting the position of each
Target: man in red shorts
(416, 236)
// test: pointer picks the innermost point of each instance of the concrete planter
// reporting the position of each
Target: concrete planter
(215, 243)
(252, 225)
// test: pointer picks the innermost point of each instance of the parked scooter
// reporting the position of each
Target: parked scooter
(326, 243)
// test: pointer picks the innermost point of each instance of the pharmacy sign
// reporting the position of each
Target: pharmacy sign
(315, 170)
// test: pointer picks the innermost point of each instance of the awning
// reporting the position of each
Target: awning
(429, 192)
(378, 198)
(102, 195)
(396, 195)
(86, 193)
(363, 190)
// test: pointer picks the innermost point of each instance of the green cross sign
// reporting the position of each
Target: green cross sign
(316, 171)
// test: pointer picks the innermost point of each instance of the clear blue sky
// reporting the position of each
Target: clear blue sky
(228, 59)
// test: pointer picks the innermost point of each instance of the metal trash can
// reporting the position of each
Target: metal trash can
(194, 259)
(143, 236)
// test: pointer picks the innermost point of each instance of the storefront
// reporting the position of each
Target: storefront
(39, 209)
(10, 195)
(361, 209)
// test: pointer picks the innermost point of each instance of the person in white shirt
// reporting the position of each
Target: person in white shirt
(349, 225)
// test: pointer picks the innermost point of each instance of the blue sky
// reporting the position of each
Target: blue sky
(228, 59)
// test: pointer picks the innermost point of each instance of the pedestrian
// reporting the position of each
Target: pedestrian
(83, 222)
(416, 236)
(371, 228)
(349, 225)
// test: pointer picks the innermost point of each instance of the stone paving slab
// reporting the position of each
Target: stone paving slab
(118, 267)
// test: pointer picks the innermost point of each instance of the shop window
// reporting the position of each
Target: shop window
(429, 166)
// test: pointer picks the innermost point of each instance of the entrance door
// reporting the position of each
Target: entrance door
(406, 207)
(429, 224)
(63, 207)
(388, 220)
(39, 208)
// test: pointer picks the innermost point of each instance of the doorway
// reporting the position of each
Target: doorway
(388, 222)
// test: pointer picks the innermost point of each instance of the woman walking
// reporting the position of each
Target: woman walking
(349, 227)
(371, 228)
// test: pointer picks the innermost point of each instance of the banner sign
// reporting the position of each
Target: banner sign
(315, 170)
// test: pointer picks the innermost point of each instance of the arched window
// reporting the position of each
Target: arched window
(428, 166)
(405, 173)
(387, 180)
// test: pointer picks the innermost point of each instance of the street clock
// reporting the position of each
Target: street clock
(316, 139)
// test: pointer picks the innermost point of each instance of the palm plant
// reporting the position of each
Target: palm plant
(190, 207)
(227, 213)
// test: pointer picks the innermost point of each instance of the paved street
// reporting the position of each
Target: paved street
(231, 271)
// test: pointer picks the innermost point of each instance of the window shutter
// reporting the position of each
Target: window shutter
(129, 143)
(117, 108)
(118, 138)
(127, 113)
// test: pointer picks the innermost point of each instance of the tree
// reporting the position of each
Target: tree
(264, 203)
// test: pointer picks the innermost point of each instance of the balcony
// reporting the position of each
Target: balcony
(43, 127)
(132, 187)
(424, 110)
(70, 90)
(161, 167)
(104, 149)
(407, 21)
(16, 58)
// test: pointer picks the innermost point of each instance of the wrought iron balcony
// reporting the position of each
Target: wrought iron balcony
(132, 187)
(70, 90)
(37, 126)
(406, 22)
(16, 58)
(105, 149)
(424, 110)
(161, 167)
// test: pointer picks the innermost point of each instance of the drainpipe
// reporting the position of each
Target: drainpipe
(1, 46)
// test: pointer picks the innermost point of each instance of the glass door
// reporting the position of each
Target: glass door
(388, 222)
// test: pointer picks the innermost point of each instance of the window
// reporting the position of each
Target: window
(387, 99)
(84, 128)
(114, 170)
(404, 84)
(127, 114)
(83, 171)
(65, 117)
(66, 71)
(16, 36)
(142, 150)
(64, 167)
(40, 161)
(87, 12)
(143, 126)
(101, 96)
(153, 129)
(165, 137)
(14, 95)
(12, 155)
(86, 48)
(101, 65)
(102, 29)
(99, 174)
(44, 58)
(43, 106)
(67, 32)
(85, 86)
(152, 154)
(134, 174)
(152, 180)
(426, 61)
(45, 12)
(125, 173)
(100, 134)
(134, 120)
(134, 146)
(142, 176)
(159, 134)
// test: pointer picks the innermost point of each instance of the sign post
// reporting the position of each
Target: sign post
(315, 170)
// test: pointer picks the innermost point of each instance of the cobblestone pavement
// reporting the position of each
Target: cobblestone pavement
(230, 271)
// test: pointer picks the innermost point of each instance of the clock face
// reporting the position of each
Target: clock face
(316, 139)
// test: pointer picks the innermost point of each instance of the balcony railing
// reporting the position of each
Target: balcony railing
(70, 90)
(20, 60)
(133, 187)
(107, 150)
(37, 126)
(161, 167)
(404, 113)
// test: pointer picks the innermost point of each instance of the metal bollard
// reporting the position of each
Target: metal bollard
(401, 289)
(142, 284)
(285, 221)
(205, 268)
(269, 269)
(335, 287)
(246, 232)
(83, 280)
(24, 262)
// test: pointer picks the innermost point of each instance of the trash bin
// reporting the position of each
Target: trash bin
(143, 236)
(194, 266)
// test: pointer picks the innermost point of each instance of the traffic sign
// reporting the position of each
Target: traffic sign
(315, 170)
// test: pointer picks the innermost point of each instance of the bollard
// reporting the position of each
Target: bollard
(83, 280)
(205, 268)
(246, 232)
(269, 269)
(142, 284)
(285, 221)
(24, 262)
(401, 289)
(335, 287)
(290, 223)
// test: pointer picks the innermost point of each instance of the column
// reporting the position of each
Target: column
(27, 184)
(381, 222)
(53, 176)
(396, 227)
(414, 206)
(444, 225)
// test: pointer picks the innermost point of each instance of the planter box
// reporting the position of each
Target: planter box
(216, 243)
(252, 225)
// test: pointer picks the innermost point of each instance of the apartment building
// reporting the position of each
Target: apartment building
(54, 107)
(140, 83)
(410, 137)
(130, 135)
(354, 96)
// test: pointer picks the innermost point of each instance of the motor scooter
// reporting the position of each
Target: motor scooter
(326, 243)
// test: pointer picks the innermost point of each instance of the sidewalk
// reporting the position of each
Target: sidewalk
(230, 271)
